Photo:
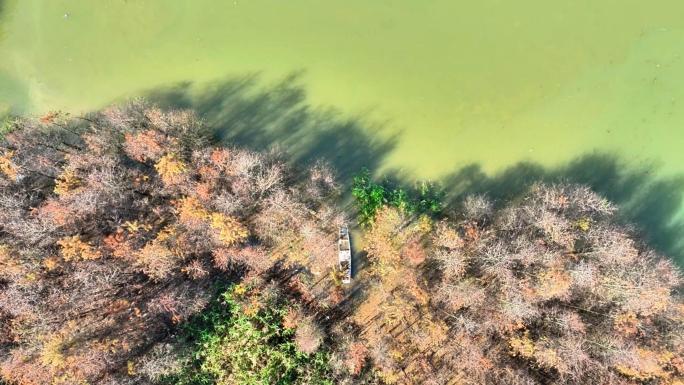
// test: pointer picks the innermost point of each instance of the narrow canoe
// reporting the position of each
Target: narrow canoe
(344, 254)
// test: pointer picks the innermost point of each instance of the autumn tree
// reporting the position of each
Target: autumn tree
(115, 228)
(549, 288)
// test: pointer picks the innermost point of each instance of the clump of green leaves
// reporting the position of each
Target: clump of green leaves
(370, 196)
(241, 340)
(428, 198)
(7, 124)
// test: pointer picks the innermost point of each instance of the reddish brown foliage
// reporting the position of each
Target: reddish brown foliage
(118, 226)
(358, 354)
(414, 252)
(114, 232)
(145, 145)
(550, 283)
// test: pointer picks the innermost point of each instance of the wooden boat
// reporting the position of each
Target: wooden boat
(344, 254)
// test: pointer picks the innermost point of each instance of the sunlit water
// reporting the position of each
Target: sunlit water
(490, 83)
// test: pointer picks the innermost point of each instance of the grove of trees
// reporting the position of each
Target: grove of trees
(549, 290)
(115, 228)
(134, 250)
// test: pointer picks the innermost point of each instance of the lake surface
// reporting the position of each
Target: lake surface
(460, 91)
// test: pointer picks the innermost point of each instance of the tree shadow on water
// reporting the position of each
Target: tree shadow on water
(652, 202)
(244, 112)
(6, 9)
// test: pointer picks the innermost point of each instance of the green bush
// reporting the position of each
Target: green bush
(7, 125)
(371, 196)
(241, 340)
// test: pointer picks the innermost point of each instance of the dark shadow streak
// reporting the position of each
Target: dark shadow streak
(652, 203)
(244, 112)
(5, 10)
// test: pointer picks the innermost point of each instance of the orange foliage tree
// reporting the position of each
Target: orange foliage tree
(117, 225)
(547, 290)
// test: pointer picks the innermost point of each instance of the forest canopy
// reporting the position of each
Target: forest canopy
(136, 250)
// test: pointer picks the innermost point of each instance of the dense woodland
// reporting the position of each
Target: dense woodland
(134, 250)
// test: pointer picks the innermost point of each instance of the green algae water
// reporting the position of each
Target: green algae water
(455, 84)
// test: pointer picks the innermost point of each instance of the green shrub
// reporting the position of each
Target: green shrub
(241, 340)
(429, 199)
(370, 196)
(7, 125)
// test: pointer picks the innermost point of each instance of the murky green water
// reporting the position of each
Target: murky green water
(484, 83)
